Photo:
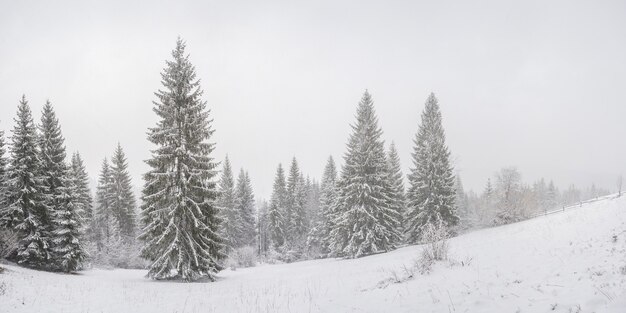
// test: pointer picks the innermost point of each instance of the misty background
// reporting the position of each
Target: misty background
(537, 85)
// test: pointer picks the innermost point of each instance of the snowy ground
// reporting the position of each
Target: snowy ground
(563, 262)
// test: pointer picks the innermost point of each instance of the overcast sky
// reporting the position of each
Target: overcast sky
(535, 84)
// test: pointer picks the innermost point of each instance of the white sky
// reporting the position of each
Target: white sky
(535, 84)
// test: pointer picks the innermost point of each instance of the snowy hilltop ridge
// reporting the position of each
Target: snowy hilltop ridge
(568, 261)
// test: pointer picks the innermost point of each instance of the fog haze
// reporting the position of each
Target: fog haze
(534, 84)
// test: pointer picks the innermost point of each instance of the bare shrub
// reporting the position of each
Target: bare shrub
(435, 237)
(8, 243)
(242, 257)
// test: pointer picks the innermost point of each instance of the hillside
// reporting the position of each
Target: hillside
(572, 261)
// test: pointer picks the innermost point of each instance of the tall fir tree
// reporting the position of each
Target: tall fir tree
(179, 197)
(27, 211)
(59, 194)
(364, 223)
(123, 203)
(431, 192)
(396, 192)
(230, 228)
(80, 180)
(244, 206)
(277, 207)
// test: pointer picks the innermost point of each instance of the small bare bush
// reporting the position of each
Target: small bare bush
(8, 243)
(435, 237)
(242, 257)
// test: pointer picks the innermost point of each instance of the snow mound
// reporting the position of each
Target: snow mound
(573, 261)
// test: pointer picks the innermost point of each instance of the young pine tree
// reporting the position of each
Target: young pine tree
(230, 228)
(244, 206)
(364, 223)
(179, 197)
(277, 205)
(27, 212)
(60, 195)
(431, 192)
(122, 199)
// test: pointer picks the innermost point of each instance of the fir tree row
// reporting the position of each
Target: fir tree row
(43, 198)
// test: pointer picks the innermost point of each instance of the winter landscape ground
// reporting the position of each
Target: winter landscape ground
(571, 261)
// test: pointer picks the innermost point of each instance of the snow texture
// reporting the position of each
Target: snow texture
(554, 263)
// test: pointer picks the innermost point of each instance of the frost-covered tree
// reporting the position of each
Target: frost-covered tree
(123, 205)
(364, 223)
(508, 196)
(230, 228)
(179, 197)
(244, 206)
(486, 208)
(80, 180)
(396, 192)
(431, 180)
(276, 223)
(552, 196)
(27, 211)
(320, 233)
(60, 195)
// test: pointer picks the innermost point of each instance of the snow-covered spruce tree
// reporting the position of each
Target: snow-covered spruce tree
(80, 179)
(396, 192)
(122, 198)
(275, 214)
(431, 192)
(179, 196)
(230, 228)
(364, 223)
(244, 206)
(59, 194)
(67, 236)
(320, 233)
(27, 211)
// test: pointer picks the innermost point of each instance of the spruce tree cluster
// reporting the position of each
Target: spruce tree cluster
(237, 209)
(39, 195)
(114, 228)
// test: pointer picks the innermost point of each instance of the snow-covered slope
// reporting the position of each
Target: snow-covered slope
(563, 262)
